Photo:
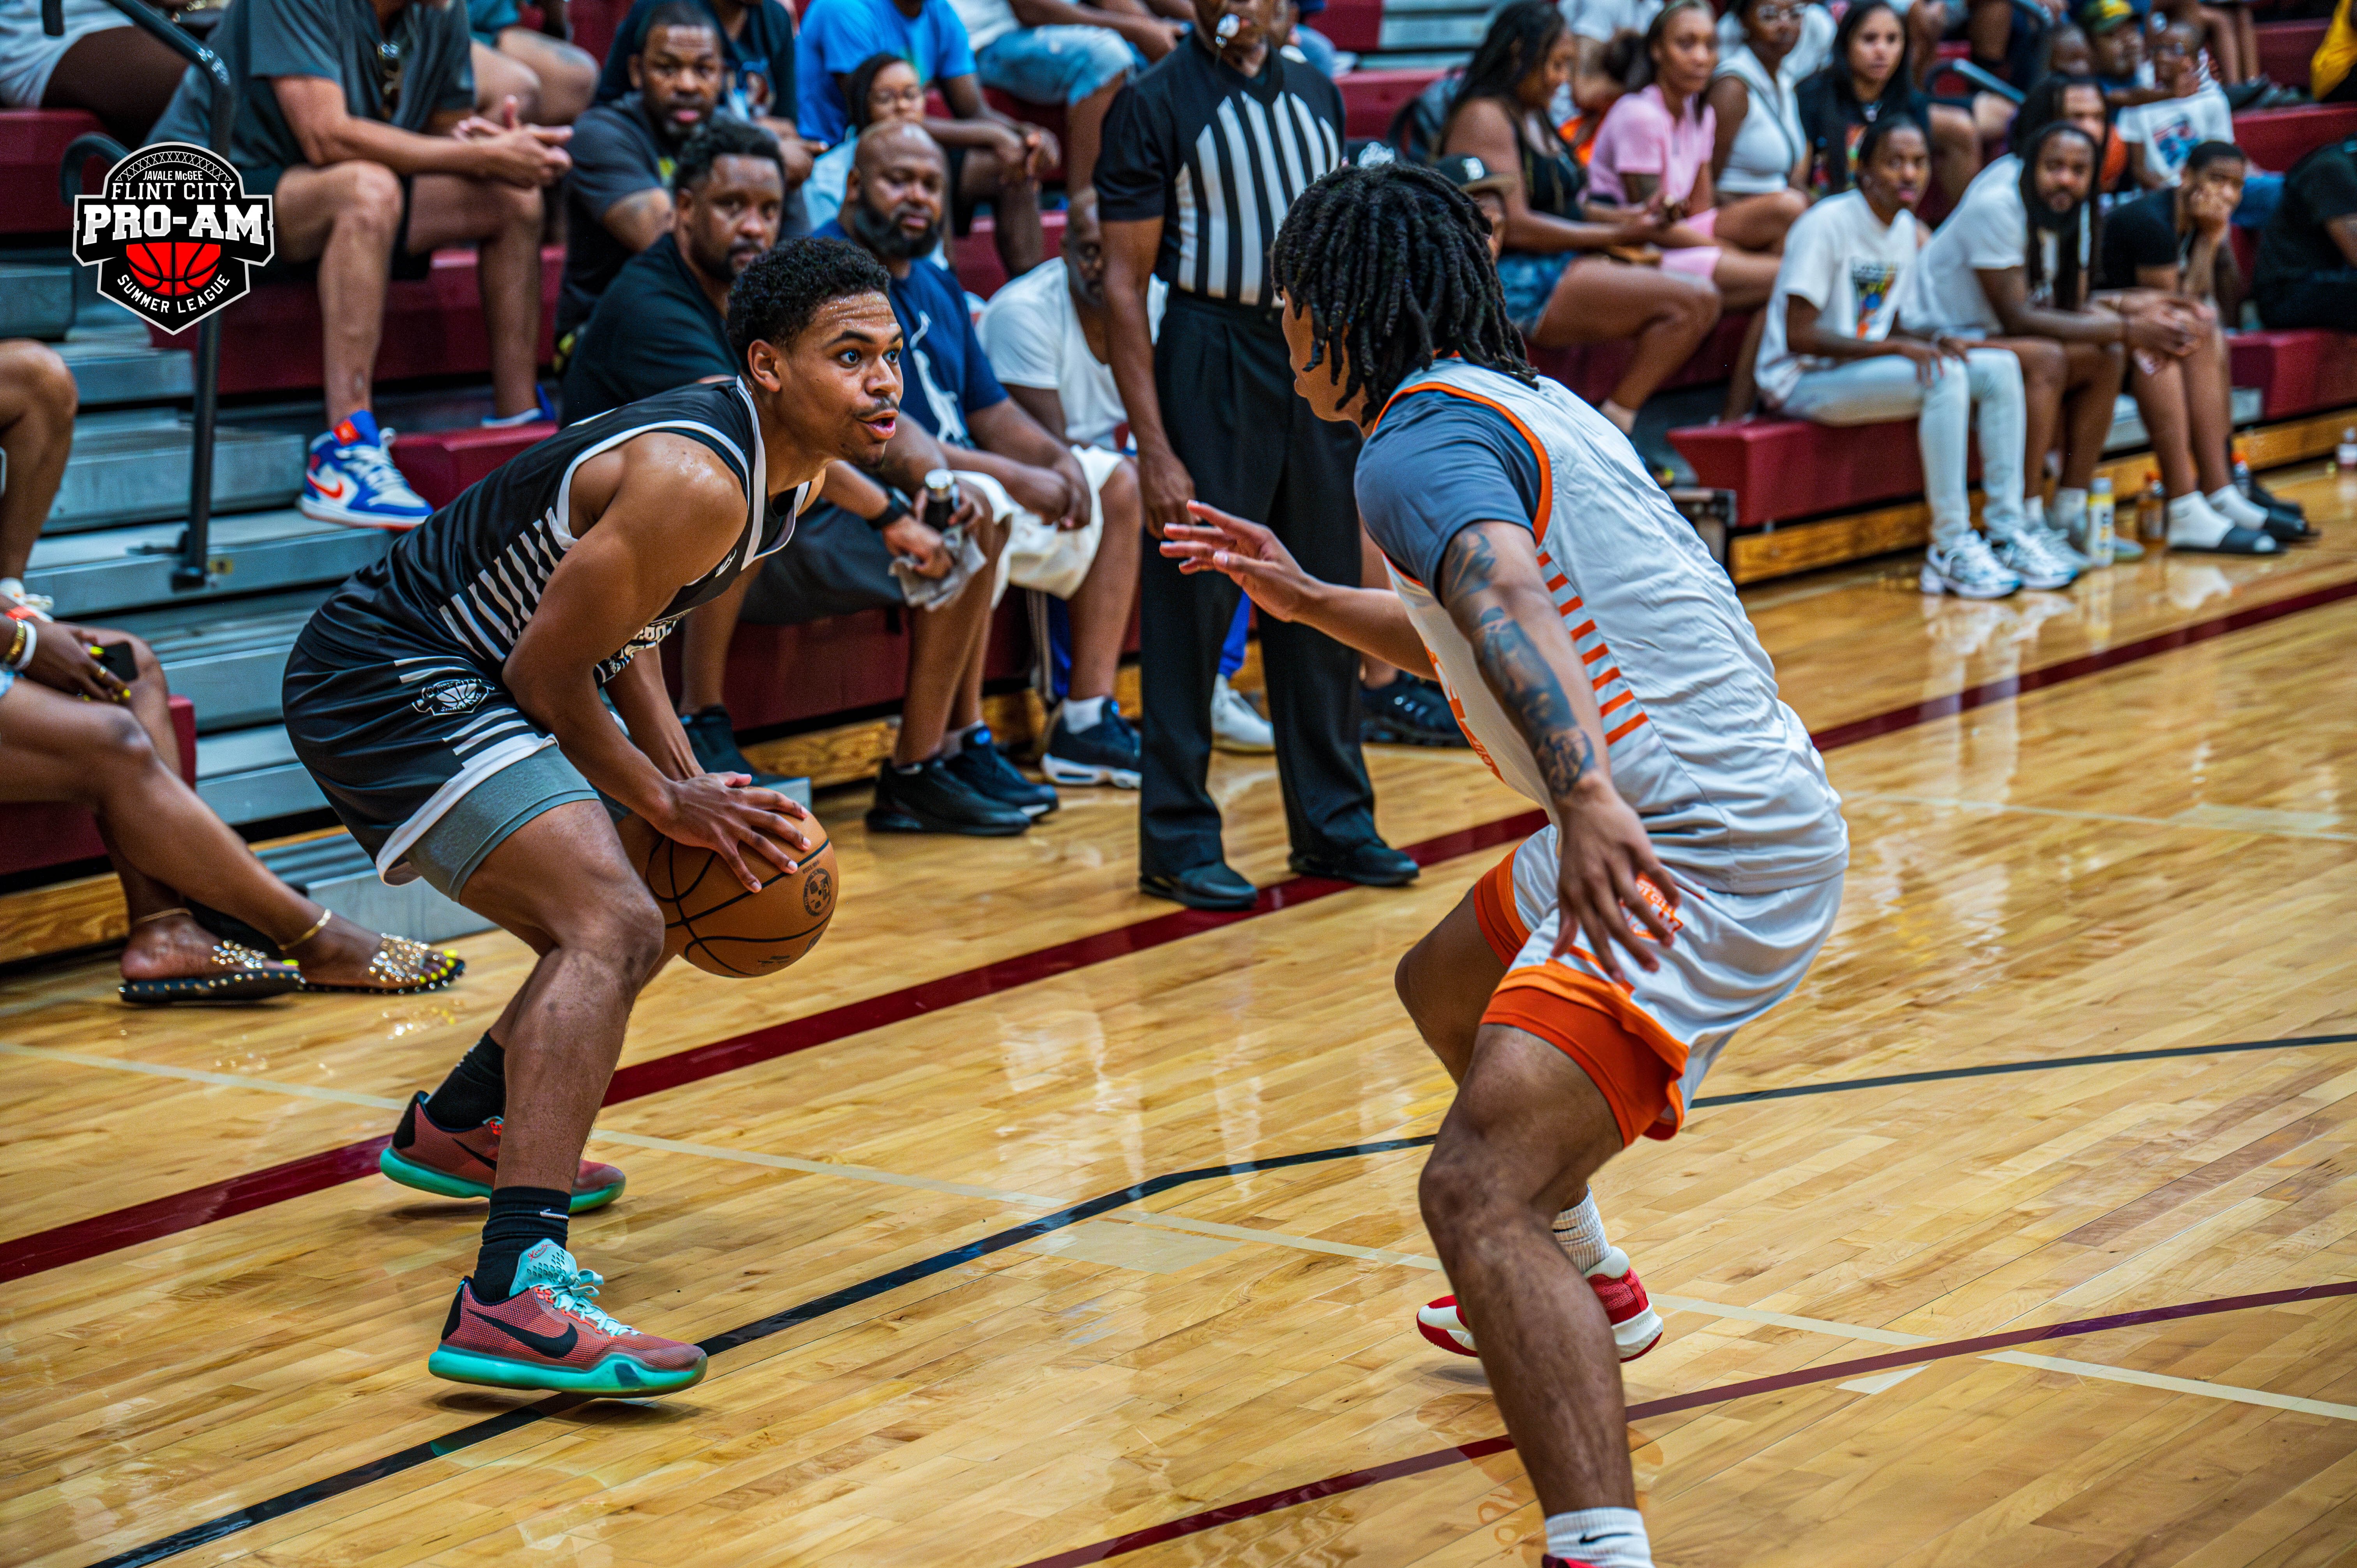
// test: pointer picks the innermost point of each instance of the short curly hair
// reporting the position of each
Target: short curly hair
(775, 298)
(724, 136)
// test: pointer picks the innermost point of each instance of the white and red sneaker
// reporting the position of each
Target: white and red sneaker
(1636, 1326)
(1553, 1562)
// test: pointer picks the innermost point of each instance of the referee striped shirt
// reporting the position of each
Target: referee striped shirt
(1219, 156)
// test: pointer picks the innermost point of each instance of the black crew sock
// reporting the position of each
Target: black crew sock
(520, 1217)
(476, 1090)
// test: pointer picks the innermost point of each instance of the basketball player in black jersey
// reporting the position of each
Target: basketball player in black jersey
(448, 700)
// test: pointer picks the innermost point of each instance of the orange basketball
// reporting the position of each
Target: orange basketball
(172, 267)
(709, 918)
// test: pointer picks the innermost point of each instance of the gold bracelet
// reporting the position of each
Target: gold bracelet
(14, 647)
(159, 915)
(319, 925)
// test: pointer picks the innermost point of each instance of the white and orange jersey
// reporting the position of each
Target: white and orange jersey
(1731, 791)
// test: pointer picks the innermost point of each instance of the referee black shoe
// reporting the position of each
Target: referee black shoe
(1408, 712)
(929, 799)
(1370, 863)
(983, 769)
(1212, 886)
(714, 740)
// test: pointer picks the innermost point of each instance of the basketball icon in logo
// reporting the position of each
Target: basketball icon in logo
(173, 269)
(174, 237)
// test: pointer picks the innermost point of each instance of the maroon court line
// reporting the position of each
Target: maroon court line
(83, 1238)
(1353, 1480)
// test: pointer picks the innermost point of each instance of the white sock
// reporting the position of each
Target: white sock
(2191, 522)
(2033, 510)
(1580, 1230)
(1601, 1537)
(1083, 713)
(2069, 511)
(2235, 507)
(954, 741)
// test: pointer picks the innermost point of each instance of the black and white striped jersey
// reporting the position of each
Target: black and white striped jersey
(467, 580)
(1219, 156)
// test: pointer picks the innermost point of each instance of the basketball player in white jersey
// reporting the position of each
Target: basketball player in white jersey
(1602, 666)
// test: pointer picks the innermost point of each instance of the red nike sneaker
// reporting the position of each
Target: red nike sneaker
(1636, 1326)
(550, 1335)
(459, 1165)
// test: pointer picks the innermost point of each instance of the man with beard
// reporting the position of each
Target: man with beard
(618, 201)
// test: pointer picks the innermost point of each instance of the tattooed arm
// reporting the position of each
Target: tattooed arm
(1493, 591)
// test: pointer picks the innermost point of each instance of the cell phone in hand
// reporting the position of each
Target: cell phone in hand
(119, 660)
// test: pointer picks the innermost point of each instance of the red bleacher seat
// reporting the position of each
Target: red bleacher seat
(2287, 47)
(1353, 25)
(32, 142)
(2277, 138)
(2298, 372)
(439, 464)
(976, 255)
(32, 837)
(1591, 368)
(1369, 98)
(432, 326)
(1785, 469)
(784, 674)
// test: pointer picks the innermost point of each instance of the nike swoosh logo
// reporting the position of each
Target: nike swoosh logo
(556, 1346)
(335, 494)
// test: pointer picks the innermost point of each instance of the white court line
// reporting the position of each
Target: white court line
(2208, 827)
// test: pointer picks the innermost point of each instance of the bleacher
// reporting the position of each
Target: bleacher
(108, 552)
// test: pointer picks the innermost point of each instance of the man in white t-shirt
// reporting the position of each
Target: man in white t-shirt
(1827, 354)
(2161, 135)
(1045, 336)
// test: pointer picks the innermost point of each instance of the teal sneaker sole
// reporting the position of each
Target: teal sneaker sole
(409, 1173)
(617, 1377)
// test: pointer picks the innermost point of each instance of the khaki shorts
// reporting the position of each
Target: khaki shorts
(1038, 554)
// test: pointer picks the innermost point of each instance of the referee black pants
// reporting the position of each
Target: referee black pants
(1256, 450)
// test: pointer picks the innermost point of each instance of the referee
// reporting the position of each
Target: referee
(1203, 154)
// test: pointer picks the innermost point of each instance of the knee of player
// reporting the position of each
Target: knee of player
(44, 371)
(371, 198)
(625, 932)
(518, 206)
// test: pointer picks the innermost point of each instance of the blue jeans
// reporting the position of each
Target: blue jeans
(1057, 64)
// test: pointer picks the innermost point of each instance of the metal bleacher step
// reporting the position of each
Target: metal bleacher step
(99, 575)
(37, 300)
(133, 467)
(228, 659)
(335, 870)
(251, 775)
(116, 365)
(1432, 27)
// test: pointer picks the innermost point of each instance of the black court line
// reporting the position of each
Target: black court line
(499, 1426)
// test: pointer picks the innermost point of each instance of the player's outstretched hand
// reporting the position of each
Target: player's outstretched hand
(1254, 557)
(724, 813)
(1603, 853)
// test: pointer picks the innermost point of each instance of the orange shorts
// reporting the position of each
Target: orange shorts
(1633, 1060)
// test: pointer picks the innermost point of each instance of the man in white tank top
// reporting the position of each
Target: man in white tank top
(1601, 665)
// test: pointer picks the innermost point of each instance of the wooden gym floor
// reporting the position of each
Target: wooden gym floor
(1031, 1223)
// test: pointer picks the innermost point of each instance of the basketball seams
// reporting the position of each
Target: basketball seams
(660, 872)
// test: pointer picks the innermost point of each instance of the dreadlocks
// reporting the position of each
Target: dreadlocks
(2081, 227)
(1392, 266)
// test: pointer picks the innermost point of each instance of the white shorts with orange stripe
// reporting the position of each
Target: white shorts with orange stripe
(1736, 956)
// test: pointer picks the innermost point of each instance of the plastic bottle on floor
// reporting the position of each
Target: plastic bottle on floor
(2152, 510)
(2099, 522)
(2344, 457)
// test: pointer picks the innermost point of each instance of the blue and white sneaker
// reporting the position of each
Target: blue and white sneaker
(2032, 556)
(1107, 752)
(1967, 570)
(542, 412)
(351, 481)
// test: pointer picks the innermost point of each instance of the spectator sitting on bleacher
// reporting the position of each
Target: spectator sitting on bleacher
(1871, 75)
(549, 77)
(2162, 134)
(101, 63)
(1561, 287)
(1046, 333)
(1065, 52)
(2173, 241)
(991, 158)
(1072, 513)
(2307, 252)
(617, 201)
(884, 88)
(2333, 69)
(758, 40)
(72, 732)
(37, 401)
(2116, 44)
(1652, 155)
(373, 170)
(1759, 154)
(1830, 356)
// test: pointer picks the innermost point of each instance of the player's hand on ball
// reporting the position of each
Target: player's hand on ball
(1604, 852)
(724, 813)
(1254, 557)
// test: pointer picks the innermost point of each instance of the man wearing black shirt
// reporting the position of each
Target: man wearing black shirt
(2307, 252)
(1203, 155)
(2174, 240)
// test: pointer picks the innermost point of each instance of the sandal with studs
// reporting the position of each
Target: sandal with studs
(400, 966)
(236, 973)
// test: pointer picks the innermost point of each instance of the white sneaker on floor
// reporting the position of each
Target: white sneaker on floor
(2065, 543)
(1967, 570)
(1236, 724)
(2032, 556)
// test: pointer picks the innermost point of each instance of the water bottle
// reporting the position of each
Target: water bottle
(2100, 536)
(2242, 469)
(941, 500)
(2152, 510)
(2344, 457)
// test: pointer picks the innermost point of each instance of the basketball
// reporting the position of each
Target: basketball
(173, 266)
(712, 921)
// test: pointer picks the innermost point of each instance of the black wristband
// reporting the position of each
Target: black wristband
(894, 509)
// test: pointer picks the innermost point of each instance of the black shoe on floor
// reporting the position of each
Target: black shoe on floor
(1212, 886)
(2285, 528)
(1371, 863)
(985, 769)
(929, 799)
(1408, 712)
(1104, 753)
(714, 740)
(2258, 495)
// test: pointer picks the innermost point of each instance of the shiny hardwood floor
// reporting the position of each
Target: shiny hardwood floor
(2145, 859)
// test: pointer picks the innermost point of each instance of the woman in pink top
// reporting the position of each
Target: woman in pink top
(1654, 151)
